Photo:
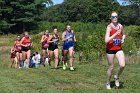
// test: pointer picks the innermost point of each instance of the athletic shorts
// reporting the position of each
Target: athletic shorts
(19, 51)
(112, 51)
(44, 48)
(67, 46)
(25, 49)
(52, 48)
(13, 56)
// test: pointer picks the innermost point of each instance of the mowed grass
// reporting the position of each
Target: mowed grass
(88, 77)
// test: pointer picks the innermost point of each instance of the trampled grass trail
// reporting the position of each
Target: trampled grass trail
(88, 77)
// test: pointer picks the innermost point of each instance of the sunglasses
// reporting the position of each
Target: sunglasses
(112, 17)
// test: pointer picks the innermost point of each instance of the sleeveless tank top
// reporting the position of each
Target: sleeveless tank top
(27, 41)
(115, 44)
(18, 46)
(70, 40)
(45, 44)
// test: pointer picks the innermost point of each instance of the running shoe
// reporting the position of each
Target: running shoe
(71, 68)
(64, 67)
(108, 86)
(66, 64)
(117, 83)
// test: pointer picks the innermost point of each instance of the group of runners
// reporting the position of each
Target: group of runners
(114, 39)
(21, 50)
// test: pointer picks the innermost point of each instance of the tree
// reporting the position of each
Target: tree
(4, 13)
(130, 14)
(21, 15)
(81, 10)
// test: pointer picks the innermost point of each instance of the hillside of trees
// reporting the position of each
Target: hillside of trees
(17, 16)
(93, 11)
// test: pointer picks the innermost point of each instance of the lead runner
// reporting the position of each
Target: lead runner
(114, 39)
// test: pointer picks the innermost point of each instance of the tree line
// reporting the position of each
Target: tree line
(94, 11)
(17, 16)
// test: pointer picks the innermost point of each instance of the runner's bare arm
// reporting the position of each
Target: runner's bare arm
(74, 37)
(49, 40)
(124, 36)
(31, 43)
(42, 39)
(11, 50)
(14, 44)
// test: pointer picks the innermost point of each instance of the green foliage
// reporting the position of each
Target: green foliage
(20, 15)
(134, 32)
(37, 46)
(81, 10)
(90, 38)
(94, 11)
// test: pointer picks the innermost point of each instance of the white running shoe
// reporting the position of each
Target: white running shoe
(71, 68)
(64, 67)
(117, 83)
(66, 64)
(108, 86)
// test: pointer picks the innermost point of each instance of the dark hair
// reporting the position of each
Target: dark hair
(54, 27)
(18, 36)
(33, 54)
(36, 52)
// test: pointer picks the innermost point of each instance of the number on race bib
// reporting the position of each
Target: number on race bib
(70, 39)
(28, 44)
(19, 47)
(46, 44)
(116, 42)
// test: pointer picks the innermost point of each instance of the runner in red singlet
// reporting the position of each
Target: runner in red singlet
(26, 44)
(13, 57)
(45, 45)
(114, 39)
(18, 51)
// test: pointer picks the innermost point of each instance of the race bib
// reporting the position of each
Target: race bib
(70, 39)
(19, 47)
(116, 42)
(28, 44)
(55, 43)
(46, 44)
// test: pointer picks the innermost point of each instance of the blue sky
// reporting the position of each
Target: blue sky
(57, 1)
(60, 1)
(124, 2)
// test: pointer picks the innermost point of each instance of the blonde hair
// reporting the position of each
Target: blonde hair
(26, 33)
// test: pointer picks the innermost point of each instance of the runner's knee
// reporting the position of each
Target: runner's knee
(56, 58)
(71, 56)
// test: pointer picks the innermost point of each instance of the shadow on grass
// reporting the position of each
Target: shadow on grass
(112, 84)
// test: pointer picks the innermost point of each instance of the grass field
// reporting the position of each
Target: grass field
(88, 77)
